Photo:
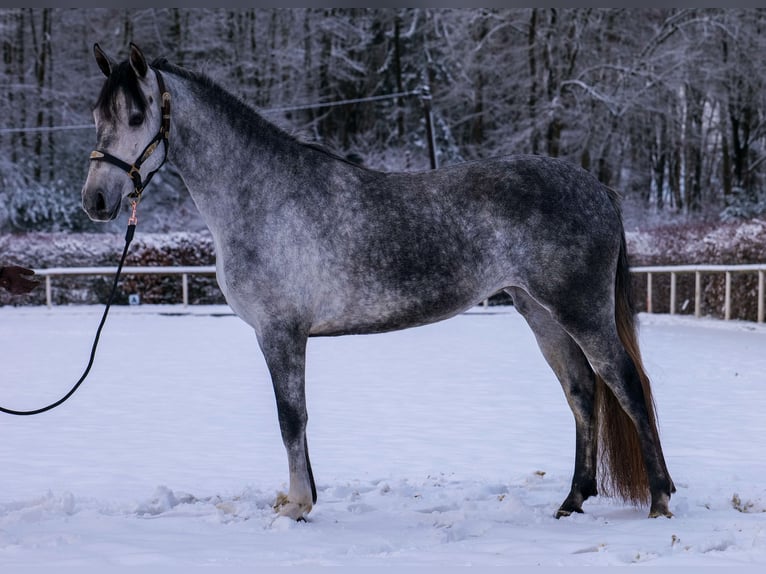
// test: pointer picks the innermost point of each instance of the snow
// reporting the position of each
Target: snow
(437, 447)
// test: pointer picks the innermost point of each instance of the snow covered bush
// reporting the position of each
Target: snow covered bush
(730, 243)
(46, 250)
(35, 207)
(696, 244)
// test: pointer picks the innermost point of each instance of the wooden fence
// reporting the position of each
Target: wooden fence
(674, 271)
(184, 272)
(699, 272)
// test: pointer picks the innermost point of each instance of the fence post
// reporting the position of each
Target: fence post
(185, 288)
(697, 293)
(727, 298)
(48, 297)
(649, 292)
(672, 293)
(761, 305)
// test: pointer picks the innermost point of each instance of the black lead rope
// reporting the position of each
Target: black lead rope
(128, 238)
(133, 171)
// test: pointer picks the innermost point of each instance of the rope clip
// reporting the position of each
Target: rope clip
(133, 220)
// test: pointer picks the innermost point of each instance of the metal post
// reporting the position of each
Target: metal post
(761, 289)
(425, 98)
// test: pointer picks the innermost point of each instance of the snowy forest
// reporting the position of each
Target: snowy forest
(666, 105)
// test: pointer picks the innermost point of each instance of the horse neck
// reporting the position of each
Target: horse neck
(219, 152)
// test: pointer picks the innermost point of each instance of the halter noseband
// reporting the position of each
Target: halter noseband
(134, 170)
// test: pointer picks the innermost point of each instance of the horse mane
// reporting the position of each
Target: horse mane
(241, 113)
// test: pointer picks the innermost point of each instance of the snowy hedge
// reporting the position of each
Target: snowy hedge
(45, 250)
(729, 243)
(721, 244)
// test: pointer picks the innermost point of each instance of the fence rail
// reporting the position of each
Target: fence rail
(184, 272)
(649, 271)
(699, 270)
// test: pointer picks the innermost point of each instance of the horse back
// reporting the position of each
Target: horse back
(361, 251)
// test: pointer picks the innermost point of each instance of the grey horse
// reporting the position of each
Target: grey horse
(309, 244)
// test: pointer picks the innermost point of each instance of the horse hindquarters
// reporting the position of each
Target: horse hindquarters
(613, 392)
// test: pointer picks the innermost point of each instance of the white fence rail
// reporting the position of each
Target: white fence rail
(649, 271)
(699, 271)
(184, 272)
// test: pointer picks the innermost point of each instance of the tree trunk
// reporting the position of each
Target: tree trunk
(660, 163)
(725, 164)
(533, 102)
(693, 147)
(674, 179)
(398, 75)
(41, 44)
(21, 104)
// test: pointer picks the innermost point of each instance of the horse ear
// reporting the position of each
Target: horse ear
(104, 62)
(137, 61)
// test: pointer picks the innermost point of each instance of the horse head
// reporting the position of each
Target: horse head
(132, 118)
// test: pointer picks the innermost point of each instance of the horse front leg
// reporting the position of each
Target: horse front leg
(285, 354)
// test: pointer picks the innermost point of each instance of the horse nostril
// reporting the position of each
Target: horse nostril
(100, 201)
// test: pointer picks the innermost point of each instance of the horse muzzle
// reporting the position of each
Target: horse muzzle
(101, 204)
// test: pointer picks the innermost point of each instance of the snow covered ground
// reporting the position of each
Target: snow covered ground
(438, 447)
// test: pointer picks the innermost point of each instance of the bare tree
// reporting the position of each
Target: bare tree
(666, 104)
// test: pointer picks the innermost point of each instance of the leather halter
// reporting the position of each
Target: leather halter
(134, 170)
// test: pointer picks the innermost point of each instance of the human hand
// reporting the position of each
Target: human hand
(14, 279)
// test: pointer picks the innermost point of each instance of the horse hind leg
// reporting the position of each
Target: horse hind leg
(632, 464)
(578, 382)
(285, 354)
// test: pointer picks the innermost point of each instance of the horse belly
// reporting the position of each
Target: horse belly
(412, 269)
(359, 322)
(376, 307)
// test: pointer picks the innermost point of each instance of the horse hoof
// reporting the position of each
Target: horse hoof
(295, 510)
(564, 512)
(660, 507)
(657, 513)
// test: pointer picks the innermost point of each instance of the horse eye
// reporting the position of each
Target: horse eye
(135, 119)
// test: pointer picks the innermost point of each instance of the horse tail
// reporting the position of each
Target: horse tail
(622, 472)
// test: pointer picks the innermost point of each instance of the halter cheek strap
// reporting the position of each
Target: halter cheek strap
(134, 169)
